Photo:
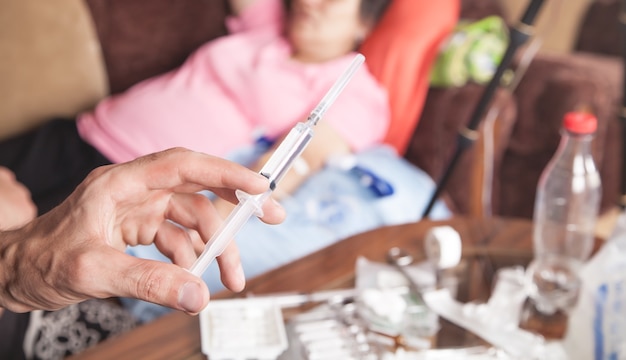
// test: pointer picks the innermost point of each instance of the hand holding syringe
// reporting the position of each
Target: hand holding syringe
(276, 167)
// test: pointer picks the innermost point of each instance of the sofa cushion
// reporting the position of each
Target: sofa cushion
(557, 23)
(436, 140)
(600, 30)
(400, 51)
(51, 64)
(141, 39)
(478, 9)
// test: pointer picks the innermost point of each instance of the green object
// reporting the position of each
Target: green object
(472, 53)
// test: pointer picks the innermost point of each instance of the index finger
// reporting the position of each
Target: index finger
(180, 169)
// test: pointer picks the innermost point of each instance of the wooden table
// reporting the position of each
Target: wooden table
(487, 245)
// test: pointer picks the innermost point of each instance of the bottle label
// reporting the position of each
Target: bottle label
(597, 325)
(609, 321)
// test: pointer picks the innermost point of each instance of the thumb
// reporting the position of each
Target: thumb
(160, 283)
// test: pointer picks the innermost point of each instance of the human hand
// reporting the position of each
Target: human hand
(76, 251)
(16, 206)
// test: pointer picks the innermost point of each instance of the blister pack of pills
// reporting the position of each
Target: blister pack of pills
(242, 329)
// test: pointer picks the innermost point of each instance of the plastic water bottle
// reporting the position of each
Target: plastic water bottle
(565, 215)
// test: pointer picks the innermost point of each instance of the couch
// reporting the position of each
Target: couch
(97, 47)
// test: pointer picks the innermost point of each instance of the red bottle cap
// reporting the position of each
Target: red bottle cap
(580, 122)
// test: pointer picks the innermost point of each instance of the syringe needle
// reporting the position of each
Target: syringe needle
(335, 90)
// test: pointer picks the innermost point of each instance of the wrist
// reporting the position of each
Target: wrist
(9, 255)
(24, 267)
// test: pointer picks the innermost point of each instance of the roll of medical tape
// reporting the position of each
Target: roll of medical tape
(443, 246)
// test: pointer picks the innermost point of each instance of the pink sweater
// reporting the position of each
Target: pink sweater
(231, 90)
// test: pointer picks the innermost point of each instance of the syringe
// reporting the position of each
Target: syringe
(274, 169)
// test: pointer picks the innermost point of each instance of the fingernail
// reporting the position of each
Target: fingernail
(241, 277)
(190, 297)
(279, 205)
(262, 177)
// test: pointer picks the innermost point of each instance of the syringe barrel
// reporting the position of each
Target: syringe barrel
(275, 169)
(287, 152)
(248, 205)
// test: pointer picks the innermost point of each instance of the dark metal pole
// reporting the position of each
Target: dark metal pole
(622, 116)
(467, 135)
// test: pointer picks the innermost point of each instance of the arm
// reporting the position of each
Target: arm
(76, 251)
(250, 15)
(238, 6)
(325, 143)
